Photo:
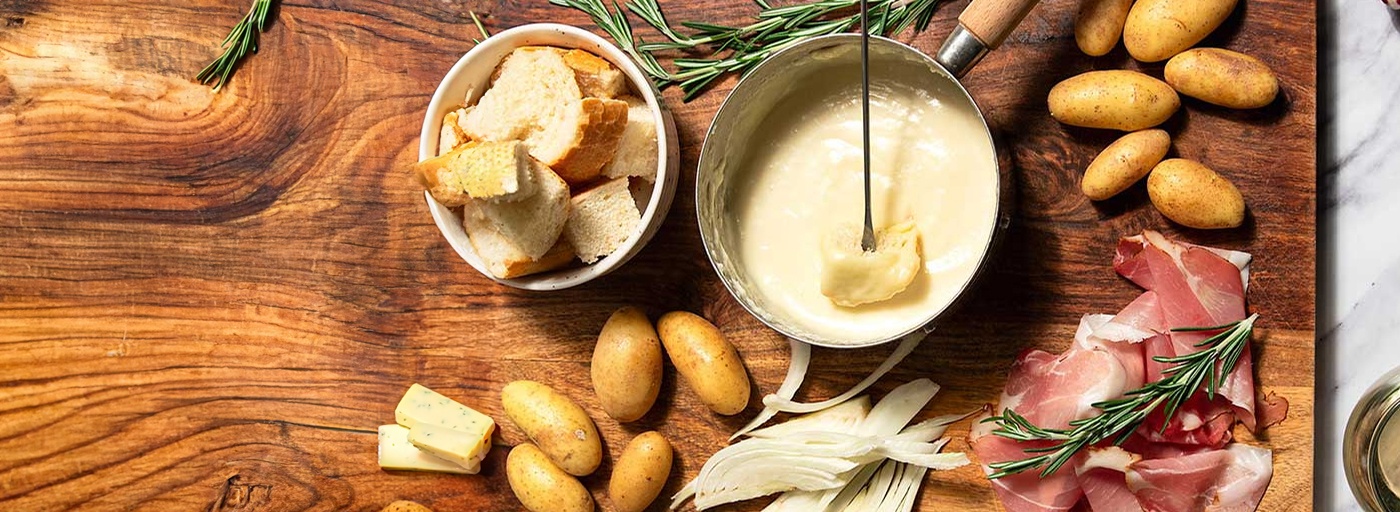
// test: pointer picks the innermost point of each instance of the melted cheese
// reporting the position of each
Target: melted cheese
(932, 164)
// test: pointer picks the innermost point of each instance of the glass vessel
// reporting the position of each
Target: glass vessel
(1371, 447)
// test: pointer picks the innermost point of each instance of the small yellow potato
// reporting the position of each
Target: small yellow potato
(1124, 162)
(559, 426)
(626, 367)
(1157, 30)
(1116, 99)
(1100, 25)
(706, 361)
(405, 506)
(1222, 77)
(640, 472)
(541, 486)
(1194, 196)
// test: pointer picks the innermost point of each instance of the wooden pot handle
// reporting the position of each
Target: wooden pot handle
(992, 20)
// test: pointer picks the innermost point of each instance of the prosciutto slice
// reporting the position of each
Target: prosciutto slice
(1052, 390)
(1198, 286)
(1124, 335)
(1023, 492)
(1229, 480)
(1242, 486)
(1199, 422)
(1102, 475)
(1173, 479)
(1049, 390)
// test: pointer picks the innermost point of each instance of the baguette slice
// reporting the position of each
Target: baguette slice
(490, 171)
(637, 154)
(601, 219)
(583, 152)
(537, 99)
(532, 89)
(531, 225)
(450, 136)
(595, 76)
(442, 180)
(503, 259)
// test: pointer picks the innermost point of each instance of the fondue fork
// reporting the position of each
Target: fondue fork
(867, 237)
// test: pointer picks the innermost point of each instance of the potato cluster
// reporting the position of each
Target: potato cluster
(626, 373)
(1185, 191)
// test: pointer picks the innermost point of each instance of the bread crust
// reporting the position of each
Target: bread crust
(596, 141)
(436, 175)
(596, 77)
(558, 256)
(450, 135)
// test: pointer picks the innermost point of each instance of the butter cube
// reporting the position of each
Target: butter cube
(397, 453)
(464, 448)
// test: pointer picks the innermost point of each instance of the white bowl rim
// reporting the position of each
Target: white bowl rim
(667, 170)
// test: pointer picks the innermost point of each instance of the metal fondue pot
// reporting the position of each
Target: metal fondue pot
(983, 26)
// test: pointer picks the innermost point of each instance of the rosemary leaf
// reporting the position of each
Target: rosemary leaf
(740, 49)
(241, 41)
(480, 27)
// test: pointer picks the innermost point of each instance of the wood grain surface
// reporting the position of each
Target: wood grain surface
(208, 301)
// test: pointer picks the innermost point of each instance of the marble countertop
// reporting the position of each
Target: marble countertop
(1358, 213)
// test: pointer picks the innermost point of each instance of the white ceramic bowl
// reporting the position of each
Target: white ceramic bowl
(470, 76)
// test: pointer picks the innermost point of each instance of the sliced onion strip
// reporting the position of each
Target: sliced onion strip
(906, 346)
(797, 371)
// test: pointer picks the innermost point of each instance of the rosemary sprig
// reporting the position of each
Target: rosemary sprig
(240, 41)
(617, 27)
(1121, 417)
(480, 27)
(739, 49)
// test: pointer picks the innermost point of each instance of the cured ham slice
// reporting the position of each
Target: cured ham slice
(1186, 480)
(1123, 336)
(1150, 450)
(1229, 480)
(1102, 476)
(1052, 390)
(1197, 286)
(1245, 480)
(1024, 492)
(1049, 390)
(1139, 258)
(1199, 421)
(1141, 318)
(1177, 484)
(1273, 409)
(1128, 355)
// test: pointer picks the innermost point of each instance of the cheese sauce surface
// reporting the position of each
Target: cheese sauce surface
(932, 162)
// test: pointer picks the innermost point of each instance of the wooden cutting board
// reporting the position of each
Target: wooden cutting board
(209, 301)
